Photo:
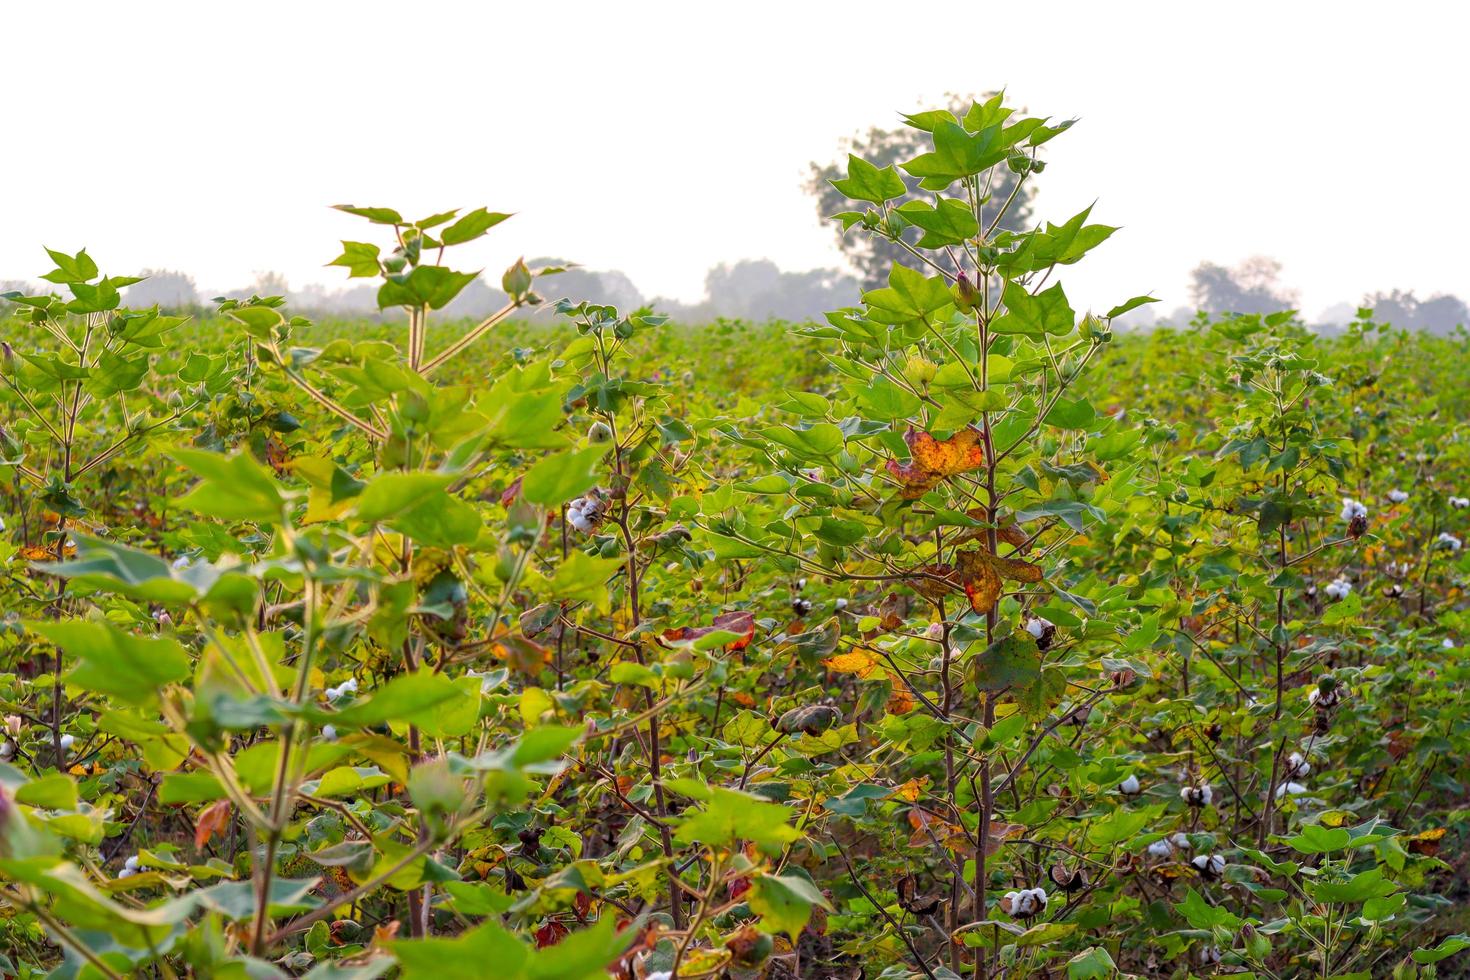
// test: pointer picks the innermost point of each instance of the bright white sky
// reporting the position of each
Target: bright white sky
(661, 138)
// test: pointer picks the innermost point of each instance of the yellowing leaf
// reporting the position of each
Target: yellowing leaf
(863, 663)
(933, 460)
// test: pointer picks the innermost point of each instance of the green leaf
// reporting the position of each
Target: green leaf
(433, 286)
(471, 226)
(359, 258)
(730, 816)
(232, 488)
(1093, 963)
(1013, 661)
(1048, 312)
(908, 296)
(1315, 839)
(561, 476)
(1448, 947)
(865, 182)
(785, 902)
(57, 791)
(115, 663)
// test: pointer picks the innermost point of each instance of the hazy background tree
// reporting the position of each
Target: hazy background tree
(1253, 286)
(1440, 313)
(167, 288)
(871, 257)
(611, 287)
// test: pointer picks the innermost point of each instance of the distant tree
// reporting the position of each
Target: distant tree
(164, 287)
(1440, 313)
(611, 288)
(1252, 287)
(757, 289)
(871, 257)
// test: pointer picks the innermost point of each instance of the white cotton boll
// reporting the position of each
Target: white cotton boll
(1208, 955)
(1201, 795)
(1297, 765)
(1448, 643)
(1037, 626)
(1460, 503)
(1130, 786)
(7, 749)
(1352, 509)
(125, 873)
(660, 975)
(181, 562)
(329, 732)
(1339, 588)
(1397, 496)
(67, 741)
(1160, 849)
(350, 684)
(1447, 540)
(1180, 840)
(841, 604)
(132, 863)
(2, 525)
(1290, 789)
(1209, 865)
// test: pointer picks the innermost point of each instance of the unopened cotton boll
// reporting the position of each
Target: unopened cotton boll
(1130, 786)
(1210, 866)
(1397, 496)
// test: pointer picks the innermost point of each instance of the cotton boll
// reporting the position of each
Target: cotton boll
(1353, 509)
(1460, 503)
(1160, 849)
(660, 975)
(1197, 796)
(181, 562)
(7, 749)
(1448, 643)
(329, 732)
(1339, 588)
(125, 873)
(1180, 840)
(1449, 541)
(1130, 786)
(1297, 765)
(1043, 630)
(1397, 496)
(132, 863)
(1210, 866)
(350, 684)
(841, 604)
(1290, 789)
(67, 741)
